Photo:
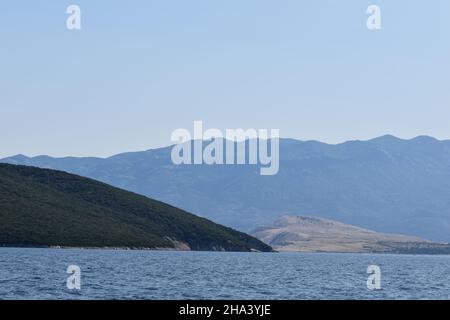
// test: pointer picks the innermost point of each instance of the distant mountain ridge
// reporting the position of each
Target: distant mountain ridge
(312, 234)
(385, 184)
(41, 207)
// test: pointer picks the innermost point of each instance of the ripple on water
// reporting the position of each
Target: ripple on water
(41, 274)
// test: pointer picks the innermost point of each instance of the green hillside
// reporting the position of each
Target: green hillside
(40, 207)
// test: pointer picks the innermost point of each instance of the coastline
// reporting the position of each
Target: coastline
(177, 249)
(254, 251)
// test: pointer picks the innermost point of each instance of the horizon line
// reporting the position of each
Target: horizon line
(385, 136)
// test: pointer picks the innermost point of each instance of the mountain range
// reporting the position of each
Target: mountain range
(385, 184)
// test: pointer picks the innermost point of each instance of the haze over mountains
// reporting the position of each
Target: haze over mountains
(386, 184)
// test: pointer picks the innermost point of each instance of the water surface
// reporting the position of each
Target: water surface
(121, 274)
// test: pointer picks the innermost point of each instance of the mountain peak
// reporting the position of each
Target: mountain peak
(20, 157)
(424, 138)
(386, 138)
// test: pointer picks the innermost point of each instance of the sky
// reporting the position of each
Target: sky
(138, 70)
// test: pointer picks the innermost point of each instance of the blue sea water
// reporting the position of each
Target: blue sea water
(122, 274)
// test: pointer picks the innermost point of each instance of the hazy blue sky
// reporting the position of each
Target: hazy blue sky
(140, 69)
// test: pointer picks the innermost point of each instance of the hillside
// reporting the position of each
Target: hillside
(51, 208)
(311, 234)
(385, 184)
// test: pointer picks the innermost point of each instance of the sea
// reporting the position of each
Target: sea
(41, 274)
